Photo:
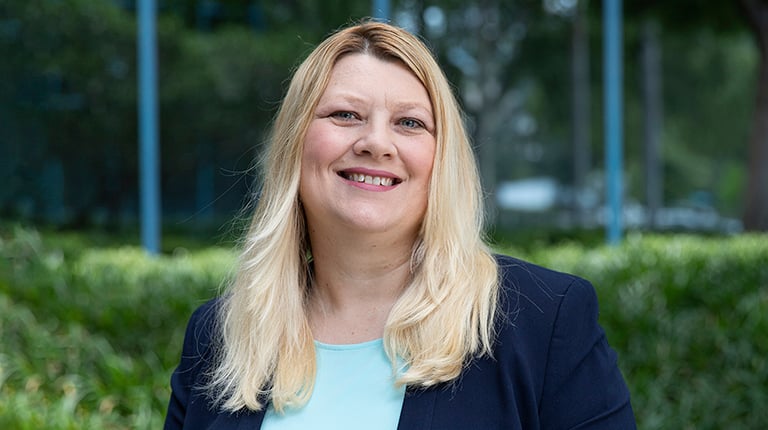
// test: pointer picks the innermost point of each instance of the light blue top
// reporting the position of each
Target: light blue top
(354, 389)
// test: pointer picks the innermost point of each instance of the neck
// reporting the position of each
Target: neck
(357, 279)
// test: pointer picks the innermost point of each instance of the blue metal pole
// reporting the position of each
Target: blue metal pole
(149, 164)
(381, 10)
(612, 55)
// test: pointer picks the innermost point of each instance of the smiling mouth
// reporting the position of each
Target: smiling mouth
(368, 179)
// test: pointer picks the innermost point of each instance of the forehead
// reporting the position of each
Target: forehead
(370, 76)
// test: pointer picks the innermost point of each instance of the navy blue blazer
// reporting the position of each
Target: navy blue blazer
(552, 368)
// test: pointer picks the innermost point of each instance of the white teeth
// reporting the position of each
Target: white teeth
(373, 180)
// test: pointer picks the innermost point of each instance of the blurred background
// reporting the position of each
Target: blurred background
(91, 325)
(529, 75)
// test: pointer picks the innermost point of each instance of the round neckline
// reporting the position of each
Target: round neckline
(349, 346)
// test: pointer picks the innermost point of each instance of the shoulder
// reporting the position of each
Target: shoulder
(199, 341)
(188, 403)
(549, 330)
(516, 271)
(543, 312)
(527, 289)
(202, 323)
(205, 316)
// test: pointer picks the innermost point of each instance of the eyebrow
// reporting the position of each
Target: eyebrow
(405, 105)
(413, 105)
(347, 97)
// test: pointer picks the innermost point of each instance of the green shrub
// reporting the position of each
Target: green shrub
(90, 336)
(689, 318)
(62, 376)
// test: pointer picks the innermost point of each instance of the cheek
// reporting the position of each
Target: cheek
(313, 147)
(422, 159)
(313, 137)
(321, 145)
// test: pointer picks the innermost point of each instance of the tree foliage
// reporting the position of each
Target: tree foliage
(68, 95)
(694, 17)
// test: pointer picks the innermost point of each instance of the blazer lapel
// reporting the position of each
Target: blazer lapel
(252, 421)
(418, 409)
(239, 421)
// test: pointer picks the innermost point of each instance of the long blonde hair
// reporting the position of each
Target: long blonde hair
(445, 315)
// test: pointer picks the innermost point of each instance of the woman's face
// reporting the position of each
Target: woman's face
(369, 149)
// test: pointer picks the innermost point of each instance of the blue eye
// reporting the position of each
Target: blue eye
(344, 115)
(411, 123)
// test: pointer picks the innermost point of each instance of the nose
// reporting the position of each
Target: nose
(376, 140)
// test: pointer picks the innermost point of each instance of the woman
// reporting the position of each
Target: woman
(365, 296)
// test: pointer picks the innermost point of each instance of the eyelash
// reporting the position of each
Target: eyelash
(343, 115)
(416, 123)
(348, 116)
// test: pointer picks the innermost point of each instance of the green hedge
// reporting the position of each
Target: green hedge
(689, 318)
(90, 336)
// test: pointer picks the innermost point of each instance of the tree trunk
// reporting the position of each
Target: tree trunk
(580, 111)
(652, 120)
(756, 208)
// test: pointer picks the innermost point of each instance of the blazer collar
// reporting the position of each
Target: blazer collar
(418, 409)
